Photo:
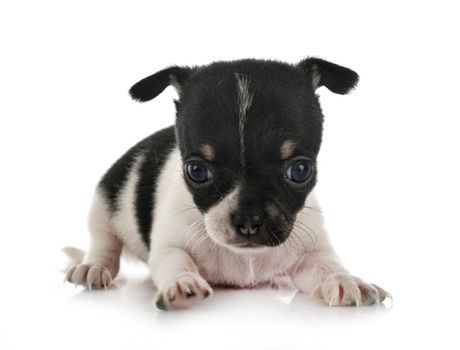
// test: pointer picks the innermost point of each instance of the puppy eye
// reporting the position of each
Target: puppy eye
(198, 172)
(299, 172)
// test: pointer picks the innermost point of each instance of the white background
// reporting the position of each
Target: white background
(388, 182)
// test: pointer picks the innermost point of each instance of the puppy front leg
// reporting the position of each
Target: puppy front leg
(177, 279)
(321, 274)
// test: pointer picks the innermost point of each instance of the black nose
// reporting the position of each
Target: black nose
(247, 224)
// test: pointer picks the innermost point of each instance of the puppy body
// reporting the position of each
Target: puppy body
(200, 216)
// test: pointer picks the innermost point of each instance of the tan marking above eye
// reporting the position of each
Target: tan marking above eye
(207, 151)
(287, 149)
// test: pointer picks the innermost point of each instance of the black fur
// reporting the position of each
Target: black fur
(150, 87)
(284, 106)
(336, 78)
(115, 178)
(155, 150)
(158, 148)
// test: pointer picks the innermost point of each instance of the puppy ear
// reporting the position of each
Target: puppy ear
(150, 87)
(338, 79)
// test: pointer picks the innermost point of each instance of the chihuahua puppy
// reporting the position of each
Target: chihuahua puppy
(225, 197)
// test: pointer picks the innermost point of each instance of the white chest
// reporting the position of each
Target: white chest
(221, 266)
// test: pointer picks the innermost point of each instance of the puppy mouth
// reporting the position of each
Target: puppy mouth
(264, 239)
(239, 244)
(247, 245)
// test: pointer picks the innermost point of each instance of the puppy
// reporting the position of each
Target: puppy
(225, 197)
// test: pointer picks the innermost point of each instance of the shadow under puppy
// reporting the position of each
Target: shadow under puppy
(225, 197)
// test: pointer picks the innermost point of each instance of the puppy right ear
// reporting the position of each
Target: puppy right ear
(338, 79)
(150, 87)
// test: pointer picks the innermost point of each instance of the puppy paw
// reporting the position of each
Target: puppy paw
(187, 289)
(347, 290)
(89, 275)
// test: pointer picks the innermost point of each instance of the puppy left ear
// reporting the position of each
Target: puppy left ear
(150, 87)
(338, 79)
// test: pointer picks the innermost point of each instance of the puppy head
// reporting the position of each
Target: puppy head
(249, 133)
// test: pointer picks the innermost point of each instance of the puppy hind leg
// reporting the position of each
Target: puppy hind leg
(101, 263)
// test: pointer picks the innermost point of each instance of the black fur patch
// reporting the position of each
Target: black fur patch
(155, 150)
(338, 79)
(115, 178)
(158, 148)
(150, 87)
(283, 107)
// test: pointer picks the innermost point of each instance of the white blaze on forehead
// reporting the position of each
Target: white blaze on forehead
(244, 103)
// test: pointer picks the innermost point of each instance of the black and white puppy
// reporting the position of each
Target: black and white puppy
(225, 197)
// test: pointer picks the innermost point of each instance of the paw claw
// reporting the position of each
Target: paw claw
(161, 304)
(106, 278)
(171, 295)
(346, 290)
(68, 275)
(185, 291)
(382, 293)
(91, 276)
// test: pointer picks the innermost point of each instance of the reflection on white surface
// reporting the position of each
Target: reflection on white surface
(57, 315)
(265, 318)
(137, 295)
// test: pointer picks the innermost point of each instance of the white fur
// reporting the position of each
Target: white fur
(187, 249)
(175, 83)
(187, 242)
(184, 237)
(109, 234)
(244, 102)
(217, 220)
(102, 261)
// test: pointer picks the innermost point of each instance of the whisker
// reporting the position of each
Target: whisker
(184, 210)
(296, 234)
(313, 208)
(198, 242)
(279, 243)
(221, 196)
(305, 231)
(188, 228)
(293, 240)
(286, 248)
(199, 227)
(297, 237)
(193, 230)
(309, 228)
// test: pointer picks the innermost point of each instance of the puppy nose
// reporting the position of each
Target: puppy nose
(247, 224)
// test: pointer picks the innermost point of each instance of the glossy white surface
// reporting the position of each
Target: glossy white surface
(54, 315)
(388, 182)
